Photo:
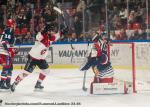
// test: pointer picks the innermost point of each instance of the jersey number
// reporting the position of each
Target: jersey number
(7, 36)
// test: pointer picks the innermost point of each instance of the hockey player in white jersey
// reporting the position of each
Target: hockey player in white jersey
(37, 56)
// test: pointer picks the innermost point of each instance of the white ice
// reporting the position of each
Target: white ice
(64, 85)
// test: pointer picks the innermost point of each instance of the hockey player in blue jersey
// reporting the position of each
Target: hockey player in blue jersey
(7, 40)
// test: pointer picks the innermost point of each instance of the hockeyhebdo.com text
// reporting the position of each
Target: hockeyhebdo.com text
(42, 103)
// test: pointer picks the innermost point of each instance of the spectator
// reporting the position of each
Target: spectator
(135, 36)
(43, 13)
(73, 37)
(77, 26)
(1, 16)
(21, 19)
(123, 15)
(28, 15)
(112, 36)
(28, 39)
(131, 18)
(140, 14)
(121, 35)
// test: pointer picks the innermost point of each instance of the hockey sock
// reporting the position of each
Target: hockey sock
(42, 75)
(8, 79)
(3, 78)
(3, 75)
(21, 76)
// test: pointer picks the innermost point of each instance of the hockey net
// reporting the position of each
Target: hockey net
(131, 63)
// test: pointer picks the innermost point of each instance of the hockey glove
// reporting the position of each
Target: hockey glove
(64, 30)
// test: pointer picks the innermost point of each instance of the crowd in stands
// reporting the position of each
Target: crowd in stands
(131, 24)
(126, 21)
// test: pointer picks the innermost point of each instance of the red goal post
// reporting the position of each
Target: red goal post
(131, 62)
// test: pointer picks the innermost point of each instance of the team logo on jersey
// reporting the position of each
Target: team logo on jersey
(43, 51)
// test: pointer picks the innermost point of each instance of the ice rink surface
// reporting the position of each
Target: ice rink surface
(63, 88)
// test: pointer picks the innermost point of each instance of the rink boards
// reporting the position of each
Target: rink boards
(63, 56)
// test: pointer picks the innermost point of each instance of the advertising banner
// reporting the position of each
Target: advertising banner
(21, 57)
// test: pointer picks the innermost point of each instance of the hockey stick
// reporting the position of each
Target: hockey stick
(58, 10)
(56, 7)
(84, 88)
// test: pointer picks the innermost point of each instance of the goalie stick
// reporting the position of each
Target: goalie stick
(73, 49)
(84, 81)
(84, 88)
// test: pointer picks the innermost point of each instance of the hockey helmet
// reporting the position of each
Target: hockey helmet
(10, 23)
(49, 27)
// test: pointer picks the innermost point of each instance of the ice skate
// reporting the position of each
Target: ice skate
(8, 83)
(38, 86)
(12, 87)
(3, 85)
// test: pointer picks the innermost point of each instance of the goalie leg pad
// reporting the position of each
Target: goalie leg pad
(106, 80)
(109, 88)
